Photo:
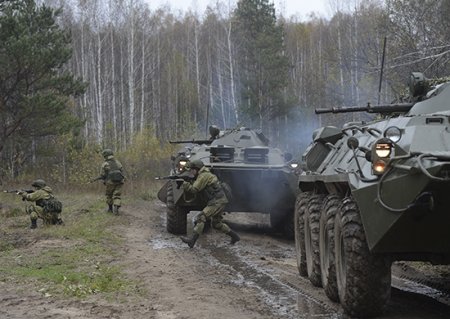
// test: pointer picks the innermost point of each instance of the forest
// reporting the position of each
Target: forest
(80, 75)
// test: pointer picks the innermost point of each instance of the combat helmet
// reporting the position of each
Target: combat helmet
(39, 183)
(197, 164)
(107, 152)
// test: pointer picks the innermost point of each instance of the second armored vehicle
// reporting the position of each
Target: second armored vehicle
(260, 177)
(373, 193)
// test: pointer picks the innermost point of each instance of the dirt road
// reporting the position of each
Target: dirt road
(256, 278)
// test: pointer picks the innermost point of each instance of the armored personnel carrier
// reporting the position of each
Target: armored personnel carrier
(374, 193)
(261, 178)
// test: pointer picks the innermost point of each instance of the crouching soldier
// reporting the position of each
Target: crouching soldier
(208, 184)
(45, 206)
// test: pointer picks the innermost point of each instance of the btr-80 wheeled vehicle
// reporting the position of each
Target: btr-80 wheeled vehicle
(261, 178)
(374, 193)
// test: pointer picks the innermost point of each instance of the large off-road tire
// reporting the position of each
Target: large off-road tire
(312, 217)
(299, 231)
(176, 216)
(326, 245)
(363, 278)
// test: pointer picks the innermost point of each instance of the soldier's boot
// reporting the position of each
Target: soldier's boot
(110, 208)
(234, 237)
(116, 209)
(190, 240)
(33, 224)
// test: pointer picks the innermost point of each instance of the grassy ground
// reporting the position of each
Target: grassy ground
(77, 259)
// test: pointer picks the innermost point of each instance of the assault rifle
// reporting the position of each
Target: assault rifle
(383, 109)
(18, 191)
(175, 177)
(96, 179)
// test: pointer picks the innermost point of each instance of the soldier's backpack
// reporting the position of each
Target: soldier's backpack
(114, 174)
(51, 205)
(227, 190)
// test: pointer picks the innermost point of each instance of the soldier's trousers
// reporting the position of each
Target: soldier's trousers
(113, 193)
(36, 212)
(215, 212)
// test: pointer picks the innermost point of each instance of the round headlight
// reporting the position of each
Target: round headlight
(182, 163)
(383, 148)
(393, 133)
(379, 167)
(294, 165)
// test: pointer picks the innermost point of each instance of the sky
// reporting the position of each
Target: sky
(301, 8)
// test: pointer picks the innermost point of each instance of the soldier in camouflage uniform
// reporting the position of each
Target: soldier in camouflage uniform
(36, 210)
(208, 185)
(111, 173)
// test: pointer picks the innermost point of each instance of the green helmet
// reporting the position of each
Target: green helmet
(107, 152)
(197, 164)
(39, 183)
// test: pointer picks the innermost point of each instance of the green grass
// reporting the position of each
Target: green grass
(77, 259)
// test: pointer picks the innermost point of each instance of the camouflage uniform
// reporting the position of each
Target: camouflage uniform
(35, 210)
(113, 190)
(208, 185)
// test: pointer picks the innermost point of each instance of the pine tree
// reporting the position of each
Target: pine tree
(262, 63)
(35, 91)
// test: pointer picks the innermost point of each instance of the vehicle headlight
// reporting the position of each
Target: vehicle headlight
(383, 150)
(379, 167)
(182, 163)
(393, 133)
(294, 165)
(181, 166)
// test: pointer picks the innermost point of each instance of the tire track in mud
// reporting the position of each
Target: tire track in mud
(264, 262)
(281, 290)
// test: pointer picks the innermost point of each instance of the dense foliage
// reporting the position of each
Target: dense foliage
(34, 91)
(262, 63)
(165, 75)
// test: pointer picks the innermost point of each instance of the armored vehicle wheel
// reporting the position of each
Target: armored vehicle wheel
(326, 245)
(363, 278)
(176, 217)
(311, 220)
(299, 231)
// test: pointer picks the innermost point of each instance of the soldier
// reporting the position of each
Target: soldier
(208, 184)
(112, 175)
(46, 206)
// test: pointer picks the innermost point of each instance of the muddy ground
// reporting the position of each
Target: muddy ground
(256, 278)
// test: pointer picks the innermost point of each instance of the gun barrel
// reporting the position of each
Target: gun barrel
(15, 191)
(191, 141)
(343, 109)
(389, 108)
(185, 177)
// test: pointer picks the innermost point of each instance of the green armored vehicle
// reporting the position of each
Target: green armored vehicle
(261, 178)
(374, 193)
